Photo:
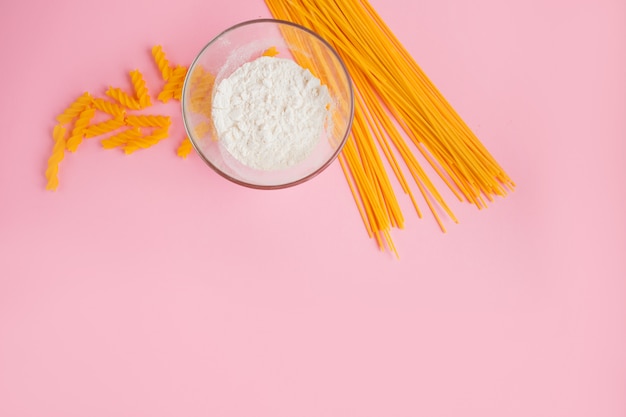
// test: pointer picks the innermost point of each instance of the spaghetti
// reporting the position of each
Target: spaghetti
(391, 90)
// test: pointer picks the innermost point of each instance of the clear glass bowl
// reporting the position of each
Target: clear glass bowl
(246, 42)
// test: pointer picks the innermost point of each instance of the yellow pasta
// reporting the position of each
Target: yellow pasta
(141, 91)
(80, 127)
(272, 51)
(109, 107)
(58, 153)
(147, 141)
(103, 128)
(121, 138)
(75, 108)
(174, 85)
(202, 128)
(161, 61)
(123, 98)
(140, 131)
(201, 85)
(148, 121)
(185, 148)
(391, 90)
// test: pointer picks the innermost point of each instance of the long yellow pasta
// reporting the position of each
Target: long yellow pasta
(109, 107)
(185, 148)
(103, 128)
(148, 121)
(75, 108)
(390, 85)
(161, 61)
(123, 98)
(141, 91)
(80, 127)
(58, 153)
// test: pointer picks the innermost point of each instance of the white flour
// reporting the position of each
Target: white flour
(270, 113)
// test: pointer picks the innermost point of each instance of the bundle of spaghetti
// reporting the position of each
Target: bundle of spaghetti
(141, 91)
(148, 120)
(109, 107)
(123, 98)
(121, 138)
(75, 108)
(58, 153)
(80, 127)
(173, 88)
(391, 87)
(103, 127)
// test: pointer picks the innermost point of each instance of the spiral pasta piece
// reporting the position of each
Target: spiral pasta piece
(201, 85)
(174, 86)
(58, 153)
(121, 138)
(202, 129)
(80, 127)
(146, 141)
(184, 148)
(103, 127)
(123, 98)
(178, 92)
(141, 91)
(109, 107)
(167, 94)
(148, 121)
(161, 61)
(75, 108)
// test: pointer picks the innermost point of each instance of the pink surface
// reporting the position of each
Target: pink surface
(149, 286)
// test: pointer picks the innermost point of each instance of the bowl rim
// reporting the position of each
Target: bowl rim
(322, 167)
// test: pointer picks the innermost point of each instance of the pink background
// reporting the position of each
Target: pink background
(150, 286)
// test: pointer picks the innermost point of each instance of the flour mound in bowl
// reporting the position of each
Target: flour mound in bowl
(270, 113)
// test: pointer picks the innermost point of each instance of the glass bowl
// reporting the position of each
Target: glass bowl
(244, 43)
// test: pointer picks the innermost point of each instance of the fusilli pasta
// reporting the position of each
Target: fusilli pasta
(58, 153)
(148, 121)
(109, 107)
(161, 61)
(146, 141)
(201, 85)
(75, 108)
(103, 127)
(174, 85)
(184, 148)
(141, 91)
(121, 138)
(123, 98)
(80, 126)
